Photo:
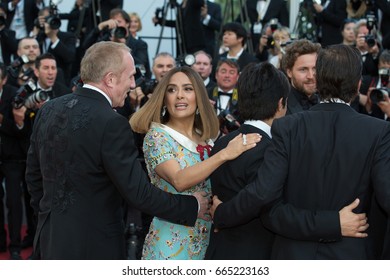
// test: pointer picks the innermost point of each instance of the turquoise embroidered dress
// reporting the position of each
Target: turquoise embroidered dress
(165, 240)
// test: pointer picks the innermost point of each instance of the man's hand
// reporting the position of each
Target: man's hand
(19, 115)
(204, 203)
(318, 7)
(353, 225)
(214, 205)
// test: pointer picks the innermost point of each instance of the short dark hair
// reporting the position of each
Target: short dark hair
(260, 87)
(338, 72)
(118, 11)
(42, 57)
(236, 28)
(229, 62)
(296, 49)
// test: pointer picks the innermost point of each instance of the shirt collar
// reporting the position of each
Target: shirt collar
(237, 55)
(98, 90)
(260, 125)
(335, 100)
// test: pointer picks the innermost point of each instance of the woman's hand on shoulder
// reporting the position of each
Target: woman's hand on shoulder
(239, 144)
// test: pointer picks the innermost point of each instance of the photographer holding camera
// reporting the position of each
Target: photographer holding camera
(13, 151)
(368, 46)
(117, 29)
(52, 40)
(375, 90)
(224, 97)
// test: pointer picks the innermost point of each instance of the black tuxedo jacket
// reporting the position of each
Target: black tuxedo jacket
(249, 240)
(30, 14)
(213, 27)
(65, 52)
(191, 28)
(384, 6)
(330, 20)
(276, 9)
(81, 163)
(244, 59)
(9, 44)
(139, 51)
(318, 160)
(13, 140)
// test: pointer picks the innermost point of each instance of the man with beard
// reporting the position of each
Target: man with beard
(299, 64)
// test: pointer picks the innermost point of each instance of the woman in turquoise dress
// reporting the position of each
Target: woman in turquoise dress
(179, 123)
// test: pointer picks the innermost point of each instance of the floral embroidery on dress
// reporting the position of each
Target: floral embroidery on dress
(166, 240)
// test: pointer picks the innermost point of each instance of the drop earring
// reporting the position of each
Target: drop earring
(164, 111)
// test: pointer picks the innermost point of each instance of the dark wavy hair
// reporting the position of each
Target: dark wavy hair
(260, 88)
(338, 72)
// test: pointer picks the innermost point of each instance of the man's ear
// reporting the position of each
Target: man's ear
(108, 79)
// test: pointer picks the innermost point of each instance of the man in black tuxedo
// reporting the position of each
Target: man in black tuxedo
(21, 15)
(319, 160)
(52, 40)
(299, 62)
(82, 163)
(260, 12)
(13, 164)
(211, 21)
(263, 98)
(46, 74)
(234, 38)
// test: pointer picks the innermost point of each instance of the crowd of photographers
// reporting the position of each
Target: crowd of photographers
(39, 62)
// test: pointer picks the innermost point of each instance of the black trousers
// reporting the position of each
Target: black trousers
(13, 173)
(3, 233)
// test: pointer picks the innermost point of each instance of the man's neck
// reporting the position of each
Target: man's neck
(233, 51)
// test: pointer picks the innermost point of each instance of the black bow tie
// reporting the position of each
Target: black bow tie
(48, 93)
(310, 101)
(224, 93)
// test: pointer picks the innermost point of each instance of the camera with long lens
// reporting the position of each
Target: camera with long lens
(14, 68)
(118, 32)
(378, 94)
(370, 40)
(228, 121)
(28, 95)
(270, 42)
(53, 19)
(371, 24)
(185, 60)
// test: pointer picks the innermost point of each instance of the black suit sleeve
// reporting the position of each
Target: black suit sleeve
(66, 47)
(266, 188)
(300, 224)
(335, 14)
(127, 174)
(33, 172)
(215, 18)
